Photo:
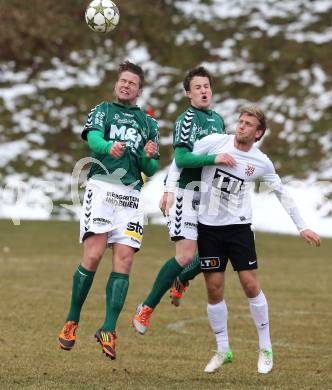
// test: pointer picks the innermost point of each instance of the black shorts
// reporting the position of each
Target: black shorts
(218, 244)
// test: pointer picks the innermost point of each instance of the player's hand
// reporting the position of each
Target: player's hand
(166, 202)
(150, 149)
(117, 149)
(226, 159)
(310, 237)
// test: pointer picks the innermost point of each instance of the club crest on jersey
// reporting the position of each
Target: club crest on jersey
(249, 170)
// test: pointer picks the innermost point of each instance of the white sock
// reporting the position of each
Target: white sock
(260, 313)
(217, 315)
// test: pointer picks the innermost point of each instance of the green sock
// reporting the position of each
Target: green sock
(168, 272)
(82, 281)
(191, 271)
(116, 292)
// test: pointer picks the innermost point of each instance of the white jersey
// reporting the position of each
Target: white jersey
(225, 195)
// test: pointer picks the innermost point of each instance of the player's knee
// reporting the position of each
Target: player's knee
(215, 292)
(185, 259)
(251, 289)
(123, 263)
(127, 262)
(92, 260)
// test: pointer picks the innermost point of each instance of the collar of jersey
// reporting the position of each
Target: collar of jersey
(208, 111)
(125, 106)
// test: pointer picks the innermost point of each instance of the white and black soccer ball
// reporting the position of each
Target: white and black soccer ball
(102, 15)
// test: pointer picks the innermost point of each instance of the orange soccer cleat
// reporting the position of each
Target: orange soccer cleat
(67, 336)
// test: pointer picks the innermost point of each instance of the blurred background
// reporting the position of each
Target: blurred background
(54, 69)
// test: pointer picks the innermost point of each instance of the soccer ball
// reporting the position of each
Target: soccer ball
(102, 15)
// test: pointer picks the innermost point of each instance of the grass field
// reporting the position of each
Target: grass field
(37, 260)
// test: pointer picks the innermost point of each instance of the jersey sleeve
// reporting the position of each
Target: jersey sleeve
(211, 144)
(273, 182)
(172, 177)
(149, 166)
(184, 158)
(97, 143)
(96, 120)
(186, 130)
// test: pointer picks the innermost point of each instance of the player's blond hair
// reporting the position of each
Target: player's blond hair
(258, 113)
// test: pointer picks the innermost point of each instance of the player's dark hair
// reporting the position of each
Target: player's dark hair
(200, 71)
(258, 113)
(128, 66)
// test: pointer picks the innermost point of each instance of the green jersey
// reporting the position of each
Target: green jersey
(128, 124)
(191, 126)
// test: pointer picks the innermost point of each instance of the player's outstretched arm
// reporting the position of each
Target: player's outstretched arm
(184, 158)
(310, 237)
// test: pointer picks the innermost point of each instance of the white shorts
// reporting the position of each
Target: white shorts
(114, 209)
(183, 215)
